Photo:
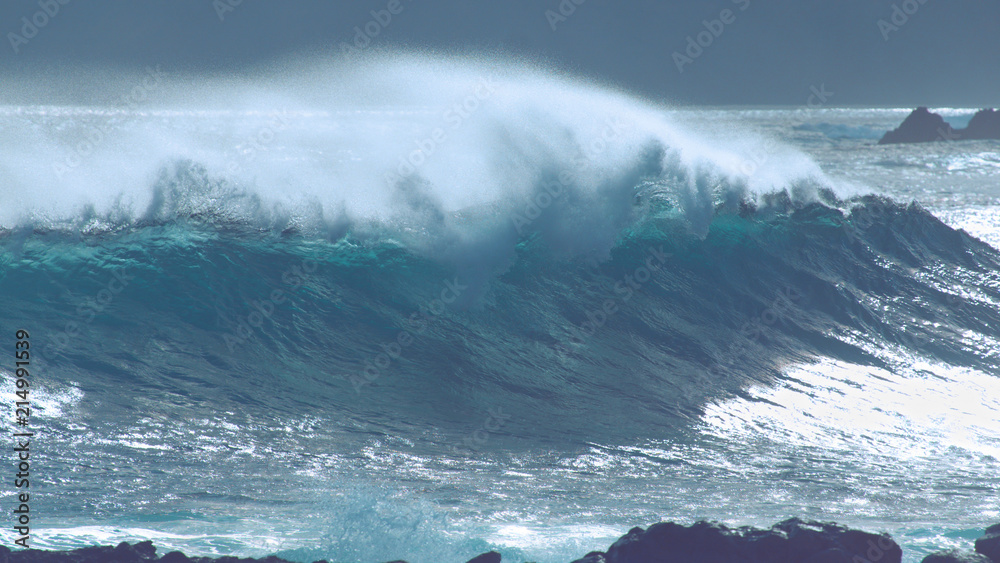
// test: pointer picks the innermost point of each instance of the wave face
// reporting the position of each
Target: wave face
(668, 321)
(330, 301)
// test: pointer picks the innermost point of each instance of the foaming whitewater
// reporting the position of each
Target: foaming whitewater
(447, 155)
(421, 307)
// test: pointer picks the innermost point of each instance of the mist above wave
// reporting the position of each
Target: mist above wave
(449, 155)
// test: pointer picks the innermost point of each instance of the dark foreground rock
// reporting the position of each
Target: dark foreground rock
(989, 544)
(141, 552)
(791, 541)
(924, 126)
(956, 556)
(145, 552)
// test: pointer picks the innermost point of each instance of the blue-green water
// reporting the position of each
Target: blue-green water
(743, 315)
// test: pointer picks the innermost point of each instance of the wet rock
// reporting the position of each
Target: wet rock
(956, 556)
(989, 544)
(592, 557)
(791, 541)
(491, 557)
(122, 553)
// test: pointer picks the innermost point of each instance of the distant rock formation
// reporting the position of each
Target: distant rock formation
(924, 126)
(984, 125)
(921, 126)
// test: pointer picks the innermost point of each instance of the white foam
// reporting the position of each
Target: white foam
(930, 411)
(48, 400)
(311, 143)
(202, 543)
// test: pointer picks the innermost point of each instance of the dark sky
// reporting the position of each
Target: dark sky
(944, 53)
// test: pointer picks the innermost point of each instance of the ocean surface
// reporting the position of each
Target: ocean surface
(433, 308)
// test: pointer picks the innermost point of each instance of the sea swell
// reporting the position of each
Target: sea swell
(197, 309)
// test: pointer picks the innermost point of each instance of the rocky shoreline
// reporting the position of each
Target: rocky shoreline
(791, 541)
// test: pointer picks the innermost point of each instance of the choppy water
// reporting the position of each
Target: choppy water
(285, 340)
